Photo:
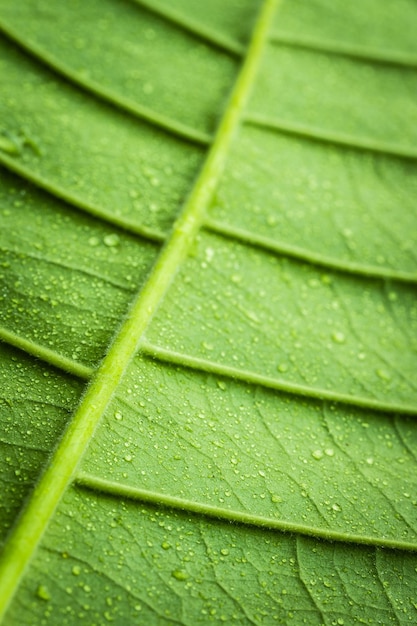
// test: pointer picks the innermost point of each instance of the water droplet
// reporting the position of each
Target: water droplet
(76, 570)
(383, 374)
(275, 498)
(9, 146)
(43, 593)
(179, 574)
(112, 240)
(317, 454)
(336, 507)
(282, 367)
(338, 337)
(118, 416)
(224, 551)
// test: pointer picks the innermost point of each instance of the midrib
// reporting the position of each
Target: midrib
(61, 470)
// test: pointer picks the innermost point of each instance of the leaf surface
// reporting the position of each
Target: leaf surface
(208, 326)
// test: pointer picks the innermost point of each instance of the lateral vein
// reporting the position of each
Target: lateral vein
(210, 35)
(78, 203)
(296, 252)
(252, 378)
(112, 488)
(45, 354)
(366, 53)
(319, 134)
(159, 120)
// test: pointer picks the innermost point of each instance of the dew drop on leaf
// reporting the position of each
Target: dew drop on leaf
(317, 454)
(112, 240)
(9, 146)
(179, 574)
(383, 374)
(43, 593)
(338, 337)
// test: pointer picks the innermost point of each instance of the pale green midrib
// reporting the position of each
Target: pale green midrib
(112, 488)
(319, 134)
(46, 355)
(202, 31)
(332, 46)
(163, 122)
(78, 203)
(196, 363)
(28, 531)
(333, 263)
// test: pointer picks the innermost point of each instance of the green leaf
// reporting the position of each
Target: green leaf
(208, 330)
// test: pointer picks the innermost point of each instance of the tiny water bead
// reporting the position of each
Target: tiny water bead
(43, 593)
(9, 146)
(383, 374)
(179, 574)
(338, 337)
(317, 454)
(112, 240)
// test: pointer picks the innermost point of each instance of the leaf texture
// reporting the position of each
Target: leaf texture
(208, 327)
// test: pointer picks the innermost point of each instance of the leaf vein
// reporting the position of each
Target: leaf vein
(280, 247)
(118, 490)
(319, 134)
(366, 53)
(185, 360)
(168, 124)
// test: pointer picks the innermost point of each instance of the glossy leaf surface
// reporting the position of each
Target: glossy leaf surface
(208, 326)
